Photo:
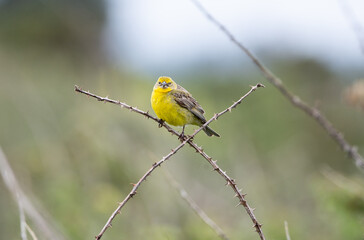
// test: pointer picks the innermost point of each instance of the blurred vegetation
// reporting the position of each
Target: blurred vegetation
(77, 157)
(71, 26)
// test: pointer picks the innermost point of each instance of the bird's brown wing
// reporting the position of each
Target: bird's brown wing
(185, 100)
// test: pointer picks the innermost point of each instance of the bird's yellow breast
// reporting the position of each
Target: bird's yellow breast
(169, 110)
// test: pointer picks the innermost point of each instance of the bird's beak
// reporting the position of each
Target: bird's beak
(164, 84)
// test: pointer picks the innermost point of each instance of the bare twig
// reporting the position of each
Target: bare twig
(288, 237)
(354, 22)
(147, 115)
(136, 186)
(231, 182)
(124, 105)
(19, 196)
(182, 192)
(343, 182)
(23, 223)
(188, 140)
(295, 100)
(31, 232)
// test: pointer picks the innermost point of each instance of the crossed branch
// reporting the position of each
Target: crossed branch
(229, 180)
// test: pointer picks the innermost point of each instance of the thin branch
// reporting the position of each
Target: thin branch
(23, 223)
(288, 237)
(31, 232)
(182, 192)
(230, 181)
(133, 192)
(124, 105)
(343, 182)
(13, 186)
(295, 100)
(147, 115)
(354, 22)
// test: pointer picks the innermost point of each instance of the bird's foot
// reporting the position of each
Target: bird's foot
(182, 137)
(161, 122)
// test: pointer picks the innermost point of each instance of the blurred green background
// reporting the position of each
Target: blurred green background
(77, 158)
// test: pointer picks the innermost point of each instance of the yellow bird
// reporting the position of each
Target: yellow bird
(175, 105)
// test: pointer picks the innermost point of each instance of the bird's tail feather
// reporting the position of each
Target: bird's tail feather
(210, 132)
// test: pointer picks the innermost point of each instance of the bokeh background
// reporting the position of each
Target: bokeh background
(76, 158)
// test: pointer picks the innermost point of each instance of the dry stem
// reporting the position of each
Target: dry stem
(183, 193)
(295, 100)
(288, 237)
(23, 223)
(135, 188)
(188, 140)
(24, 202)
(31, 232)
(345, 183)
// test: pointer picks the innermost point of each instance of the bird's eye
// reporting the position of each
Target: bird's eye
(159, 83)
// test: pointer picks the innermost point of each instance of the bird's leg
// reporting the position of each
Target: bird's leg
(182, 135)
(161, 122)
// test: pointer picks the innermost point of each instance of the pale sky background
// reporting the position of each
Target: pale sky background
(156, 34)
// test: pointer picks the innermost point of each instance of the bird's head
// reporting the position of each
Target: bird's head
(165, 84)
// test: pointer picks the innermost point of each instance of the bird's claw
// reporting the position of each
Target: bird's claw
(182, 137)
(161, 122)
